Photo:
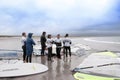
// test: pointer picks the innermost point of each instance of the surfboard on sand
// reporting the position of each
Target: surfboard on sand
(11, 66)
(15, 70)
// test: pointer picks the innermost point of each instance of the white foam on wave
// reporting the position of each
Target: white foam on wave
(79, 49)
(107, 42)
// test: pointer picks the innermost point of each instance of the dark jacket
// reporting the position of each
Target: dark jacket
(43, 40)
(29, 45)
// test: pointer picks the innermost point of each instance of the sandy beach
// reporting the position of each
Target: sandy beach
(60, 69)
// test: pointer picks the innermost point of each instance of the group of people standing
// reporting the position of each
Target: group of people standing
(46, 44)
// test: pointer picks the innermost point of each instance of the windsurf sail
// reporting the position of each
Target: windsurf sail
(98, 66)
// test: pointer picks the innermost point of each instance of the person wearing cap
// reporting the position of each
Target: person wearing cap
(29, 47)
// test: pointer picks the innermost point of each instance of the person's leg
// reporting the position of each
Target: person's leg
(66, 51)
(24, 53)
(42, 50)
(30, 58)
(69, 48)
(59, 50)
(50, 53)
(27, 59)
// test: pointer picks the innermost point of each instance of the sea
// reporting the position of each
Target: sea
(110, 43)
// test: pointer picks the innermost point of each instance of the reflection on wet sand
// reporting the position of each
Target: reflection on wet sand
(50, 71)
(43, 60)
(59, 69)
(66, 66)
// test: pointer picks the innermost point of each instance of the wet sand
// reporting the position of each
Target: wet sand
(59, 69)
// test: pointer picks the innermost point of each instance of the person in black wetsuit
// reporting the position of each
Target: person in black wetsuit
(43, 43)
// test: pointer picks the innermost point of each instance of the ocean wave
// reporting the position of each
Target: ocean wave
(100, 41)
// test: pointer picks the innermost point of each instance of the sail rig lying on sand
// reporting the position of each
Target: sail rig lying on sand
(99, 66)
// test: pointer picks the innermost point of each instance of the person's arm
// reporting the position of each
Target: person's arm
(54, 41)
(63, 41)
(45, 39)
(70, 42)
(47, 44)
(33, 42)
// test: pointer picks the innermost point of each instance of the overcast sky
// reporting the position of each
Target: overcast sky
(58, 16)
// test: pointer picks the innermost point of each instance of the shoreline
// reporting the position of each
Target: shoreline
(63, 36)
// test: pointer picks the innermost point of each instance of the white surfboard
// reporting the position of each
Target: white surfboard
(14, 70)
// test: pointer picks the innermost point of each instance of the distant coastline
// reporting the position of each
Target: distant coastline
(71, 35)
(9, 36)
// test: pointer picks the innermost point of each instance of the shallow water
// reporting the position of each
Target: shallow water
(14, 43)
